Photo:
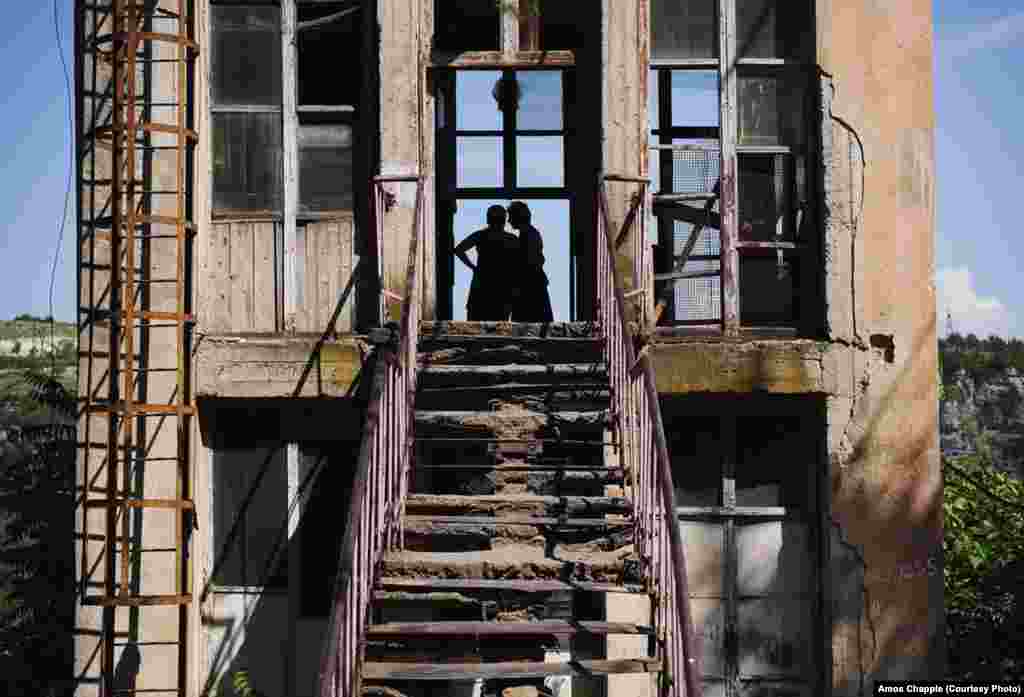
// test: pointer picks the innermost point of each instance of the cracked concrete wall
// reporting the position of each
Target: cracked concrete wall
(885, 485)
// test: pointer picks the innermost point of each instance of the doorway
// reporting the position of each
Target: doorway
(502, 136)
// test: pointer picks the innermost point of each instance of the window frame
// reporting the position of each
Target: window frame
(216, 108)
(729, 515)
(291, 113)
(731, 68)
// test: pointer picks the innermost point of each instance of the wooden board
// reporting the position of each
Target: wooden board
(516, 669)
(559, 627)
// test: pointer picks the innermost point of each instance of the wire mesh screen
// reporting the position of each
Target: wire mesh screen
(695, 171)
(697, 299)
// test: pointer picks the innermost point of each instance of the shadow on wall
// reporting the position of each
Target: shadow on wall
(886, 520)
(266, 609)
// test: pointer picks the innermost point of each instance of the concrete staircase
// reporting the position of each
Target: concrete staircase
(518, 550)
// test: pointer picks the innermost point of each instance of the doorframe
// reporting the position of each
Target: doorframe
(448, 193)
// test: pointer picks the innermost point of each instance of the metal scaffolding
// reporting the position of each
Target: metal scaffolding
(136, 140)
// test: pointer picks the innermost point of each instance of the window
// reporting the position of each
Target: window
(746, 490)
(328, 37)
(246, 106)
(253, 96)
(740, 108)
(250, 503)
(509, 131)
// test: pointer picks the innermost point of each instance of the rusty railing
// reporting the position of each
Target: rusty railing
(644, 449)
(376, 507)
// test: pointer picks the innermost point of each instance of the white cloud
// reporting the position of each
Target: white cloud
(972, 314)
(983, 37)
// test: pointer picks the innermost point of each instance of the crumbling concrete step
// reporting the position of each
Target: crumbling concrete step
(448, 376)
(484, 350)
(510, 520)
(464, 533)
(560, 628)
(410, 585)
(573, 397)
(507, 670)
(552, 330)
(476, 604)
(431, 422)
(529, 505)
(542, 480)
(514, 562)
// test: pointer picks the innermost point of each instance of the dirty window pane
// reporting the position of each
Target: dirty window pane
(772, 110)
(709, 626)
(476, 109)
(695, 98)
(540, 161)
(480, 161)
(247, 162)
(704, 557)
(684, 29)
(540, 103)
(246, 55)
(766, 210)
(325, 167)
(768, 289)
(773, 637)
(774, 454)
(259, 511)
(773, 29)
(330, 56)
(466, 25)
(773, 558)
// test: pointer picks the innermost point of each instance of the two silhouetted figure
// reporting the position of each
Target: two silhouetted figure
(508, 277)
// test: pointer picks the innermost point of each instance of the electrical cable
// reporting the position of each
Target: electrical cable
(67, 190)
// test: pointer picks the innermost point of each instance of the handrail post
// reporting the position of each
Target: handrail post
(376, 506)
(644, 448)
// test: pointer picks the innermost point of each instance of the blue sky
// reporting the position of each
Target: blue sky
(979, 145)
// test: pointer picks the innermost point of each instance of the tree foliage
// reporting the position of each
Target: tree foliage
(984, 570)
(36, 547)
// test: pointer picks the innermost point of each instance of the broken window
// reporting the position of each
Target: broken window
(746, 486)
(246, 106)
(250, 503)
(248, 82)
(766, 255)
(328, 36)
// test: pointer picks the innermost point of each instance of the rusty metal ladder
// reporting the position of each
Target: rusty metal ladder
(135, 135)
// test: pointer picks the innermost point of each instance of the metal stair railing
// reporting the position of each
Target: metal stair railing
(377, 504)
(644, 449)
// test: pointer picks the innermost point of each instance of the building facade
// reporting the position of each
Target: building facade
(233, 268)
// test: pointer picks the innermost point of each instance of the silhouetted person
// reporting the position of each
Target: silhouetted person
(533, 303)
(490, 294)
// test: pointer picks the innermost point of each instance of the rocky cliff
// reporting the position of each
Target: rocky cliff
(991, 408)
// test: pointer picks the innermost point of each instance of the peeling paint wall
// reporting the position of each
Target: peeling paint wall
(875, 61)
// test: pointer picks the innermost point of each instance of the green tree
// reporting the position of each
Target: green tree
(36, 554)
(984, 569)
